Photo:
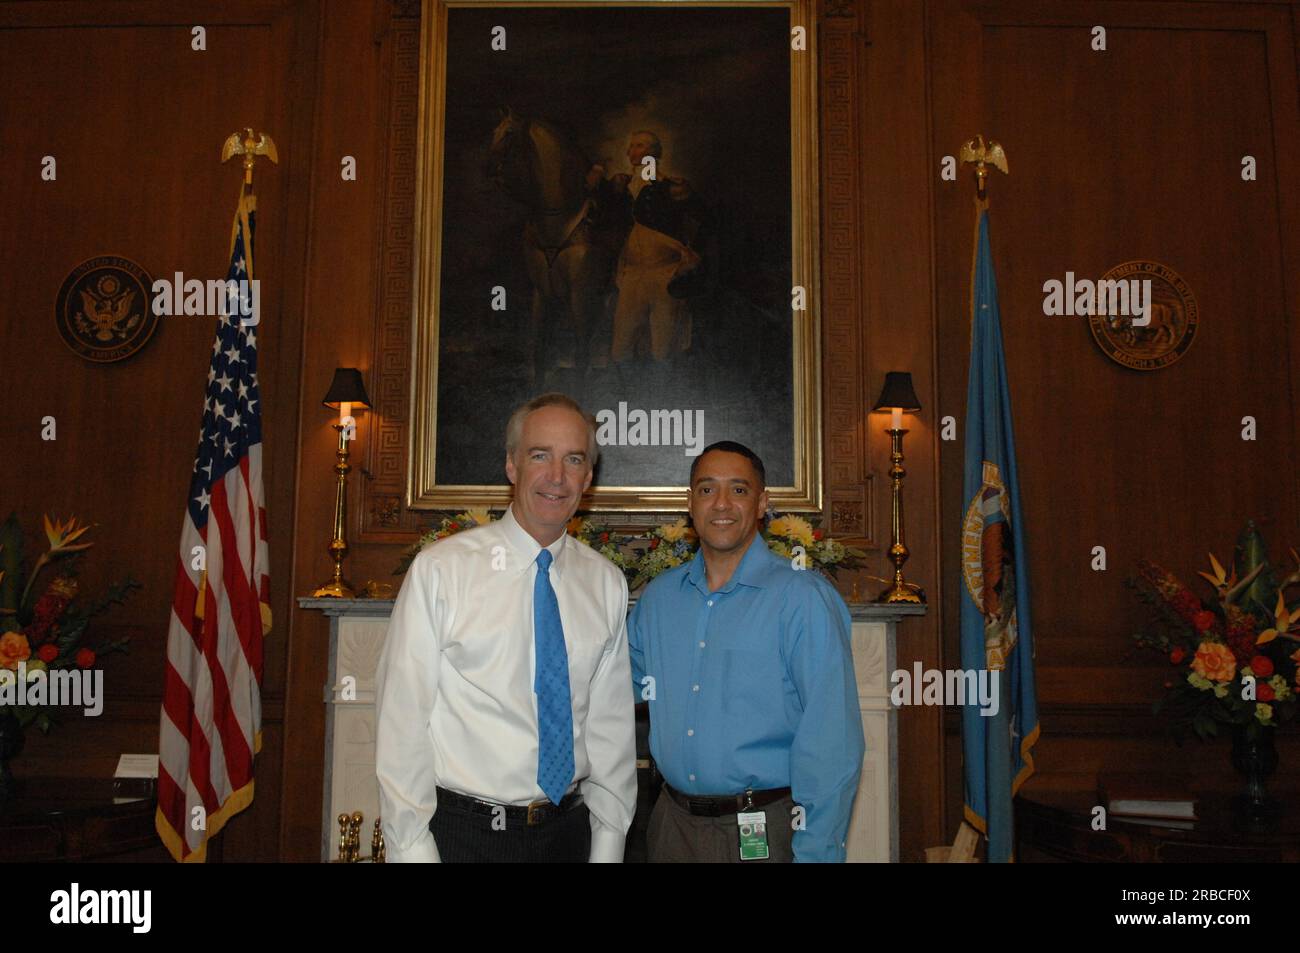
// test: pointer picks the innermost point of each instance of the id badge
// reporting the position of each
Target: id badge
(753, 835)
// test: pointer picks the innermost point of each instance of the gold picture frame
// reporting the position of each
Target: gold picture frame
(804, 490)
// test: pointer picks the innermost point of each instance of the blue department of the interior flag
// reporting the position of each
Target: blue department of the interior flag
(995, 628)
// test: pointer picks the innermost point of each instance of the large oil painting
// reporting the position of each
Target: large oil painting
(617, 202)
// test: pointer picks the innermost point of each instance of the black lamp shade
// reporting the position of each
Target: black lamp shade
(347, 386)
(898, 392)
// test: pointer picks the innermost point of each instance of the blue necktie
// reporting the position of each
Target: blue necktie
(551, 683)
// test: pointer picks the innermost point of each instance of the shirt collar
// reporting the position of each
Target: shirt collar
(524, 548)
(750, 572)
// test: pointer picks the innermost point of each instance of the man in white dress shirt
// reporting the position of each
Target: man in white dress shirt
(473, 747)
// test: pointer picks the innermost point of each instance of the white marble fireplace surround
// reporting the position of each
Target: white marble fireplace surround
(357, 631)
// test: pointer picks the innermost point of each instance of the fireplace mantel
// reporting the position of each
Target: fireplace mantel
(358, 628)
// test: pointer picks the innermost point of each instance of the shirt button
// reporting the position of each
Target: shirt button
(690, 731)
(710, 602)
(701, 645)
(695, 688)
(690, 777)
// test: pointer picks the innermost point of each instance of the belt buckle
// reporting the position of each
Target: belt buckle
(535, 812)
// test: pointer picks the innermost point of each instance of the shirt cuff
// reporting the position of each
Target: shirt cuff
(423, 851)
(806, 852)
(606, 845)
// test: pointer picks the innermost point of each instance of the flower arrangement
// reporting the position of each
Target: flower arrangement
(1237, 657)
(599, 537)
(795, 538)
(605, 541)
(644, 556)
(666, 546)
(478, 516)
(46, 629)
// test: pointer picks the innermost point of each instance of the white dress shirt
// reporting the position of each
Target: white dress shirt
(454, 690)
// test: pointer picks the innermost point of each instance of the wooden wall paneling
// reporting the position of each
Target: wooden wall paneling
(382, 514)
(341, 291)
(136, 118)
(848, 484)
(1130, 153)
(898, 332)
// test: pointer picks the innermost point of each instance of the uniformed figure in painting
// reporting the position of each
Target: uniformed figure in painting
(661, 223)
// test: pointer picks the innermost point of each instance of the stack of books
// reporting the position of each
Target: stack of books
(1166, 800)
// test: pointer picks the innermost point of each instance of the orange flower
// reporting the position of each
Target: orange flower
(14, 649)
(62, 536)
(1214, 661)
(1282, 624)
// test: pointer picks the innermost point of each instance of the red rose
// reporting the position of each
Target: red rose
(1264, 692)
(1203, 620)
(1262, 666)
(604, 537)
(47, 653)
(85, 658)
(818, 534)
(1178, 654)
(654, 543)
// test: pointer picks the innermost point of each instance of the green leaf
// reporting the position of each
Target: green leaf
(11, 562)
(1250, 552)
(117, 595)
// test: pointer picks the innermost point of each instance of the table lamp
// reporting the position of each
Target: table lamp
(898, 397)
(347, 394)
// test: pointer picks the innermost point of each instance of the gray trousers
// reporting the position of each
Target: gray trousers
(675, 835)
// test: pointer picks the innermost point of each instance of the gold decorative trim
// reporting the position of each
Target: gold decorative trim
(385, 432)
(849, 487)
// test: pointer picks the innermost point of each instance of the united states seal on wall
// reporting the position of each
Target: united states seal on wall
(104, 310)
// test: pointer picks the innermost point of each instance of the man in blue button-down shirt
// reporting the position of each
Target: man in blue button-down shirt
(746, 664)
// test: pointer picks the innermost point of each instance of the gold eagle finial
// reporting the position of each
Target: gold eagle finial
(250, 148)
(977, 152)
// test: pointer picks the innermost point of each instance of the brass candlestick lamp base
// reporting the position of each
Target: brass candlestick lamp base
(899, 590)
(338, 587)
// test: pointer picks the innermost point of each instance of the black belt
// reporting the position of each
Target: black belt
(714, 806)
(539, 812)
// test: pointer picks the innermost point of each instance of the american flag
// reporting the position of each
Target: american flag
(211, 724)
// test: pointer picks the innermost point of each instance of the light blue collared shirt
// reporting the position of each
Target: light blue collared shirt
(753, 687)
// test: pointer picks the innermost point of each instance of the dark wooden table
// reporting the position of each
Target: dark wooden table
(76, 819)
(1056, 825)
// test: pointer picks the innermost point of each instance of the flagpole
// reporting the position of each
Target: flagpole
(996, 635)
(981, 155)
(250, 148)
(225, 526)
